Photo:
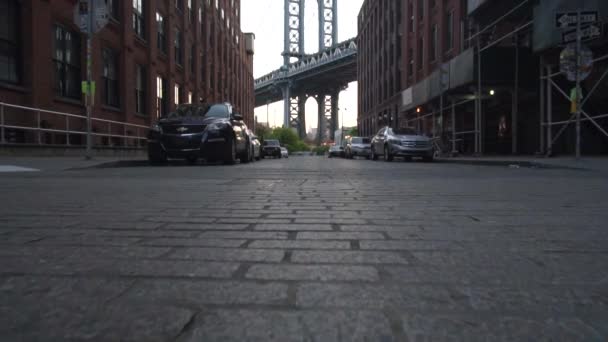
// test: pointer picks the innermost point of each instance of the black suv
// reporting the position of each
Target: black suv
(212, 132)
(271, 148)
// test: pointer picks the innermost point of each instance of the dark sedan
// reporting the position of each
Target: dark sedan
(211, 132)
(271, 148)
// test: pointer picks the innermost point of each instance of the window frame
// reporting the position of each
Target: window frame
(139, 19)
(12, 48)
(178, 47)
(140, 89)
(67, 67)
(161, 33)
(110, 80)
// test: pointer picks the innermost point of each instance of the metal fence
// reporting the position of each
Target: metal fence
(20, 125)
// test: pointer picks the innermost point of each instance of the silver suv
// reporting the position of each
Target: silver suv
(401, 142)
(357, 146)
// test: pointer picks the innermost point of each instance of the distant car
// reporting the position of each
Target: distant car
(335, 151)
(257, 148)
(401, 142)
(192, 131)
(284, 152)
(357, 146)
(271, 148)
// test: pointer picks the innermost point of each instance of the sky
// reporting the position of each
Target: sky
(265, 19)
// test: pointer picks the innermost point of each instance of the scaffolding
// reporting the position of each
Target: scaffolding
(547, 85)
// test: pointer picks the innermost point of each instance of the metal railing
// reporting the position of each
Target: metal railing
(114, 130)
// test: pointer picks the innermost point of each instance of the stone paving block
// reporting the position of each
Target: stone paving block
(286, 326)
(375, 296)
(339, 236)
(313, 272)
(288, 244)
(82, 240)
(348, 257)
(244, 235)
(330, 220)
(170, 268)
(378, 228)
(205, 226)
(442, 327)
(228, 254)
(193, 242)
(201, 292)
(248, 221)
(410, 245)
(293, 227)
(179, 219)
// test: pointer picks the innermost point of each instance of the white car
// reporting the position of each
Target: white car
(284, 153)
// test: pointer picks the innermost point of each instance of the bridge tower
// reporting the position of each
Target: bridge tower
(295, 101)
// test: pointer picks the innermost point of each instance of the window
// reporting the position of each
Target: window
(138, 18)
(192, 66)
(10, 42)
(178, 94)
(410, 67)
(140, 89)
(190, 10)
(114, 8)
(450, 30)
(420, 52)
(217, 4)
(66, 56)
(179, 58)
(189, 97)
(179, 5)
(200, 12)
(161, 96)
(110, 78)
(433, 45)
(420, 9)
(161, 37)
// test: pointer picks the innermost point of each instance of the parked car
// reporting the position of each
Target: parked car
(284, 152)
(212, 132)
(252, 145)
(271, 148)
(357, 146)
(401, 142)
(257, 147)
(335, 151)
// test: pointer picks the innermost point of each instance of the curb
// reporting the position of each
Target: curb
(509, 163)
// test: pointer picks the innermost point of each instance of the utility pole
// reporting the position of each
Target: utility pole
(90, 96)
(578, 84)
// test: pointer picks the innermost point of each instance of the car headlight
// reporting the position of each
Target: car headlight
(216, 126)
(156, 128)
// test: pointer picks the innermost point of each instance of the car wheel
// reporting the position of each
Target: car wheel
(373, 156)
(192, 160)
(157, 160)
(245, 157)
(387, 154)
(230, 154)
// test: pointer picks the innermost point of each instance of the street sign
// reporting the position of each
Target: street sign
(569, 19)
(83, 10)
(588, 32)
(568, 62)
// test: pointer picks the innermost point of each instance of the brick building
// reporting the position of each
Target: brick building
(151, 55)
(400, 44)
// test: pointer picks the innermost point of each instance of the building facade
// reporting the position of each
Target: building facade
(152, 55)
(400, 44)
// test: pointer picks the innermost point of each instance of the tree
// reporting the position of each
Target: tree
(288, 138)
(353, 132)
(262, 132)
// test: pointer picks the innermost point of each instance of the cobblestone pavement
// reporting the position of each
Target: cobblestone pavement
(304, 249)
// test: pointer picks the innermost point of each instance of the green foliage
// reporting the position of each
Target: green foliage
(353, 132)
(288, 138)
(320, 150)
(262, 132)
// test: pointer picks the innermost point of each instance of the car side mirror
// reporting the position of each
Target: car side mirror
(237, 116)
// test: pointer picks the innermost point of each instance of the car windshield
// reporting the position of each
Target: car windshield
(215, 111)
(271, 143)
(404, 131)
(361, 141)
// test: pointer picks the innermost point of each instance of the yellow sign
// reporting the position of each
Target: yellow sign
(86, 88)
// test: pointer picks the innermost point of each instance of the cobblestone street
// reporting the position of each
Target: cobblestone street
(304, 249)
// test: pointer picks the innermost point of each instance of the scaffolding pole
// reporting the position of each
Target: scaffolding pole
(515, 99)
(541, 111)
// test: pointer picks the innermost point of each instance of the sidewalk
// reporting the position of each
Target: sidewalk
(567, 162)
(54, 164)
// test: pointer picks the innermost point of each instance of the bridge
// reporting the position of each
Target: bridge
(321, 75)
